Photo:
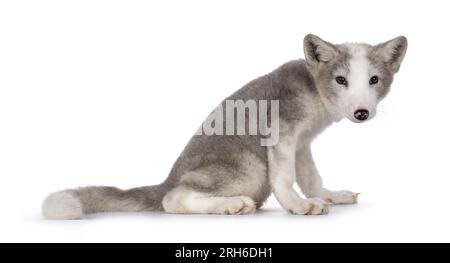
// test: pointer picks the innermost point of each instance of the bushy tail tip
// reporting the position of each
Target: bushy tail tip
(63, 205)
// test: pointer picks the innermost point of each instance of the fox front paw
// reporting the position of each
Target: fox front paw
(342, 197)
(310, 206)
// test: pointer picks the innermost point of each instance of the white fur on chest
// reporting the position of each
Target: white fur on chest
(293, 137)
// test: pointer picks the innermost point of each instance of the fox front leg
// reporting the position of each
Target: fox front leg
(310, 182)
(282, 179)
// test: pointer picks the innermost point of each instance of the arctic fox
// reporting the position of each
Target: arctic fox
(233, 173)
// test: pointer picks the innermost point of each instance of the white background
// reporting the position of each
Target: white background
(109, 92)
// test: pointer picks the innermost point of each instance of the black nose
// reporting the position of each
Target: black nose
(362, 114)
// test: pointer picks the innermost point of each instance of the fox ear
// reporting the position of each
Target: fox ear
(392, 52)
(317, 50)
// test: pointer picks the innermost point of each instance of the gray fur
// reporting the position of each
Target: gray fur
(229, 165)
(220, 156)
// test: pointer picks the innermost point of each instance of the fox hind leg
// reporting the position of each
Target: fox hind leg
(183, 200)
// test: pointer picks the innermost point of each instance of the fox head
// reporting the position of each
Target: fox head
(352, 78)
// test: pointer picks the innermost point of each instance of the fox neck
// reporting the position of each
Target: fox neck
(327, 108)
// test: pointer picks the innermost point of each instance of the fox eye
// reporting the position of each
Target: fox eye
(341, 80)
(373, 80)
